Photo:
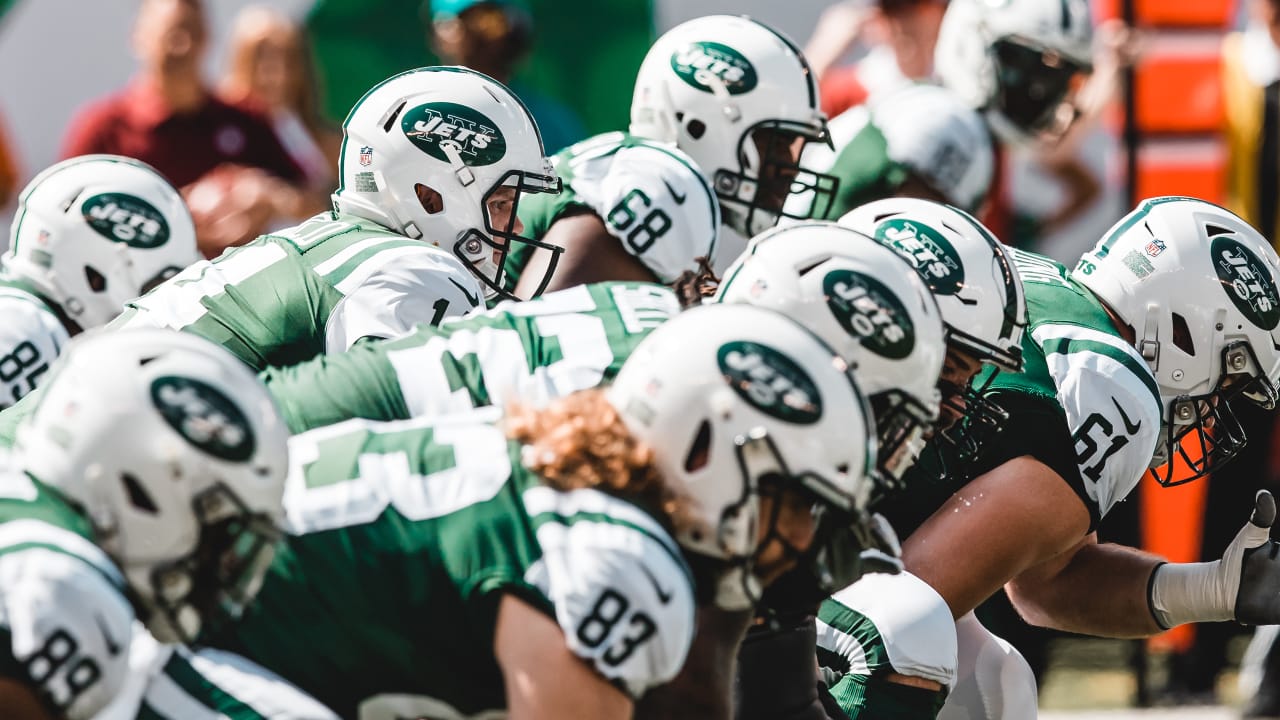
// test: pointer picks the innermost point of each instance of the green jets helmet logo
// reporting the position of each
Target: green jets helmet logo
(1247, 282)
(204, 416)
(770, 382)
(435, 126)
(697, 62)
(934, 258)
(867, 309)
(128, 219)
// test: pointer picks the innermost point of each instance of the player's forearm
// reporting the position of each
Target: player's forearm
(1101, 591)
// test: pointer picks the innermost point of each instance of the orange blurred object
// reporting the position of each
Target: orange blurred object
(1179, 85)
(1190, 167)
(1173, 13)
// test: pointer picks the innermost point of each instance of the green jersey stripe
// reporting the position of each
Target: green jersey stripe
(201, 689)
(341, 264)
(18, 535)
(1084, 340)
(541, 500)
(603, 519)
(839, 626)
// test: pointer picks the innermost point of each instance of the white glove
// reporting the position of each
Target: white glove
(1244, 585)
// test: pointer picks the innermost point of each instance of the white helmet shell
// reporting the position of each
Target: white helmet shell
(177, 455)
(735, 94)
(970, 273)
(1015, 59)
(728, 394)
(1197, 285)
(95, 231)
(424, 151)
(867, 303)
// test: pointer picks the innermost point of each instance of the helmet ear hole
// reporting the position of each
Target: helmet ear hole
(139, 498)
(700, 452)
(97, 281)
(1182, 335)
(430, 198)
(696, 129)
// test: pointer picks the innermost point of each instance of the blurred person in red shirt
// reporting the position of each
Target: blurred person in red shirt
(232, 170)
(8, 170)
(270, 71)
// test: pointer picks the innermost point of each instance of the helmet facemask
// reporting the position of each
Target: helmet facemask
(1201, 432)
(765, 473)
(1036, 87)
(212, 585)
(485, 252)
(902, 425)
(753, 197)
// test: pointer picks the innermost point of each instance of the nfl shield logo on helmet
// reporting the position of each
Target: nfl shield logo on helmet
(1154, 248)
(366, 156)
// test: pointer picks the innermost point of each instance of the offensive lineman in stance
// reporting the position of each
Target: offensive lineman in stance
(1131, 358)
(148, 481)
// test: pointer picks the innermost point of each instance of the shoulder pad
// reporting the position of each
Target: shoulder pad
(656, 202)
(68, 627)
(1112, 407)
(402, 286)
(621, 590)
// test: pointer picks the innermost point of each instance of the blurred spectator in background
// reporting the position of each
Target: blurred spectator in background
(493, 36)
(1251, 98)
(901, 35)
(231, 168)
(271, 72)
(8, 170)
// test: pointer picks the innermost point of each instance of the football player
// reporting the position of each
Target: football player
(148, 481)
(90, 234)
(723, 106)
(434, 162)
(804, 270)
(549, 563)
(919, 141)
(1132, 358)
(631, 209)
(1020, 64)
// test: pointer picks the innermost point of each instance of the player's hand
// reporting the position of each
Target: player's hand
(1255, 559)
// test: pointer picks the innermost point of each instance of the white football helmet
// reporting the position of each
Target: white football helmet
(738, 97)
(1020, 61)
(984, 310)
(93, 232)
(177, 456)
(864, 301)
(426, 151)
(728, 395)
(1197, 285)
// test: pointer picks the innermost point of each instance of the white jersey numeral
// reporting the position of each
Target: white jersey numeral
(503, 364)
(386, 475)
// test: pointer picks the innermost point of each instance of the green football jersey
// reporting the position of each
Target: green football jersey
(1083, 388)
(31, 337)
(405, 536)
(311, 289)
(305, 291)
(528, 351)
(65, 622)
(651, 197)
